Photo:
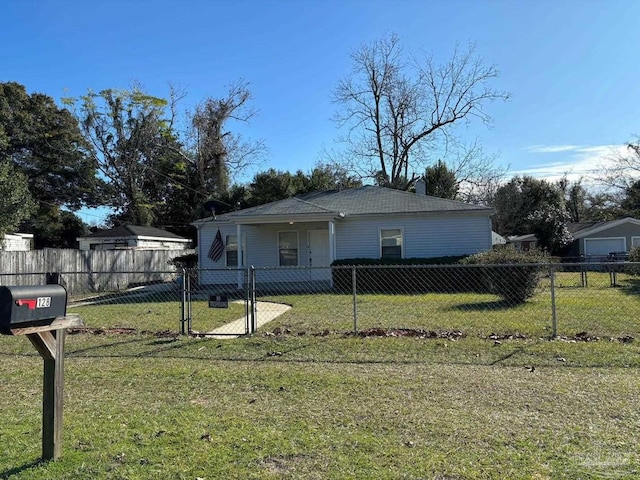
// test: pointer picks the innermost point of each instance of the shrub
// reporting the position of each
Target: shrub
(634, 256)
(406, 276)
(509, 273)
(189, 260)
(449, 260)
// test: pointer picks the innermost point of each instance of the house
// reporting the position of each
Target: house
(133, 237)
(594, 240)
(314, 229)
(524, 243)
(17, 242)
(600, 239)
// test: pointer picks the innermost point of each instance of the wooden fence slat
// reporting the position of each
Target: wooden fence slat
(118, 268)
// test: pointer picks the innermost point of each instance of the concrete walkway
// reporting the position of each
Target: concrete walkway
(265, 312)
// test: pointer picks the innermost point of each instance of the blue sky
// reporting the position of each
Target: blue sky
(570, 66)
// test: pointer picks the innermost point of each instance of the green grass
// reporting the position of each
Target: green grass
(139, 406)
(310, 400)
(155, 316)
(600, 310)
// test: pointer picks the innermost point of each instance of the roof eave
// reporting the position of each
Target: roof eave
(287, 218)
(484, 211)
(601, 228)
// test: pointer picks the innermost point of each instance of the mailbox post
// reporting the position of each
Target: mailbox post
(39, 312)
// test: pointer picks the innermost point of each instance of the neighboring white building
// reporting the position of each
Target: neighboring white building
(17, 242)
(497, 239)
(133, 237)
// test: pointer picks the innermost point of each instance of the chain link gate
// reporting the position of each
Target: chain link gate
(215, 310)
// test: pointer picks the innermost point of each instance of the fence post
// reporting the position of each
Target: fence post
(189, 302)
(254, 313)
(355, 304)
(255, 302)
(247, 300)
(183, 301)
(554, 319)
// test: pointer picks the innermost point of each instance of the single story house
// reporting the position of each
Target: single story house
(133, 237)
(594, 240)
(524, 243)
(599, 239)
(313, 230)
(17, 242)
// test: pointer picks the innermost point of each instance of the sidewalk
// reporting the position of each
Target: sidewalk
(265, 312)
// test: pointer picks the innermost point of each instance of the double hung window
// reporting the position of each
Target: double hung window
(391, 243)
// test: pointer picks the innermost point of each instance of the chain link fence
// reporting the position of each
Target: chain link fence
(576, 301)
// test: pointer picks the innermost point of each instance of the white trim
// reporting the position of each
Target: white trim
(242, 252)
(395, 227)
(637, 239)
(624, 242)
(297, 232)
(226, 250)
(332, 242)
(309, 245)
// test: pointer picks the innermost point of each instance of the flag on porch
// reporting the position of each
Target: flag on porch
(217, 247)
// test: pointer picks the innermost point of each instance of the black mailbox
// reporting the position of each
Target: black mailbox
(31, 305)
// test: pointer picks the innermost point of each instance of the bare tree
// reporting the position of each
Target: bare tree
(215, 152)
(623, 168)
(397, 109)
(477, 174)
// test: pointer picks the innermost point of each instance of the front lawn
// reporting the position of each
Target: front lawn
(290, 406)
(433, 386)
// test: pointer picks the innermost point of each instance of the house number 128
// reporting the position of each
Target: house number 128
(43, 302)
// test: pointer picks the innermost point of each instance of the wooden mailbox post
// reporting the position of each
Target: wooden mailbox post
(48, 340)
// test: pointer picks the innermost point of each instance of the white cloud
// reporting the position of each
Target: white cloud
(576, 162)
(551, 148)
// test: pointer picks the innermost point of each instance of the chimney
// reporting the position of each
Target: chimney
(421, 187)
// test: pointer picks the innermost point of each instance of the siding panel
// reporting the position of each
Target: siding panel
(424, 237)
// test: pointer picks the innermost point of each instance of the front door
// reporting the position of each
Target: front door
(318, 246)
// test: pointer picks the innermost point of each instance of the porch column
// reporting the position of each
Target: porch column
(241, 256)
(332, 241)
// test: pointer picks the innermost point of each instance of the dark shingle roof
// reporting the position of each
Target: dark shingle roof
(377, 200)
(575, 227)
(368, 200)
(133, 231)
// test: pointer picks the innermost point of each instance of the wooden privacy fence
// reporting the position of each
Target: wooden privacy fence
(88, 270)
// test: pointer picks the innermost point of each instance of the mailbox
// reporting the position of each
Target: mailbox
(22, 306)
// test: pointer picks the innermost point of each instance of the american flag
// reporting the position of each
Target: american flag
(217, 247)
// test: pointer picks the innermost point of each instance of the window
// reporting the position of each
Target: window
(288, 249)
(635, 242)
(391, 243)
(232, 250)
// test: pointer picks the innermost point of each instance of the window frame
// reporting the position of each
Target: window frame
(227, 250)
(380, 246)
(279, 249)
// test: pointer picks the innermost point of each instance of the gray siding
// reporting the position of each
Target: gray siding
(428, 236)
(423, 237)
(261, 250)
(626, 230)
